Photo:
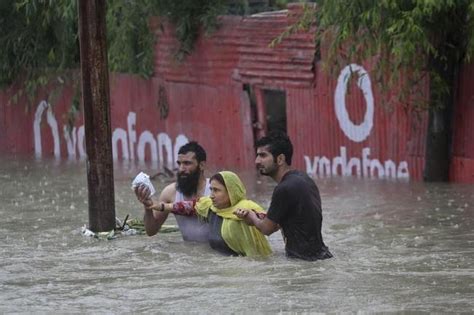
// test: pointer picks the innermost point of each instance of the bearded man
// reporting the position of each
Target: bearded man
(190, 185)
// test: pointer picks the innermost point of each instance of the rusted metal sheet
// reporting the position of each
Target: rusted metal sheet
(462, 164)
(330, 146)
(289, 63)
(212, 61)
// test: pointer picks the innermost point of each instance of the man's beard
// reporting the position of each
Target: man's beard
(188, 184)
(270, 171)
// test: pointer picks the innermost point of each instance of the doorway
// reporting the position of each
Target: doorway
(267, 110)
(275, 108)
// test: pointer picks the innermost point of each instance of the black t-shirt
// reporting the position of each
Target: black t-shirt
(296, 207)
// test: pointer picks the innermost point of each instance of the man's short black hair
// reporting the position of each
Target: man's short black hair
(195, 147)
(278, 143)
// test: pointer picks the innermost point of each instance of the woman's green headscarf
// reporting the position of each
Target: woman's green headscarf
(240, 237)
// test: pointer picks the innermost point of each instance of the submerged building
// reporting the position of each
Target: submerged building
(236, 87)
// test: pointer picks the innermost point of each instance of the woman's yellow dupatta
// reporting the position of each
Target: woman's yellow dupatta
(239, 236)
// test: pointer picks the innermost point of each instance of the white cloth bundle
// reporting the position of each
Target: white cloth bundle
(143, 179)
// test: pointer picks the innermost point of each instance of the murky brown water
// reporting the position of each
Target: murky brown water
(399, 247)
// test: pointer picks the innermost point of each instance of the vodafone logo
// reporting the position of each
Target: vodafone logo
(356, 133)
(348, 165)
(160, 146)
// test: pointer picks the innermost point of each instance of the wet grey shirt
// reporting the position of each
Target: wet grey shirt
(191, 227)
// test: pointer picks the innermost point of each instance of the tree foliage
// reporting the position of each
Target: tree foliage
(409, 43)
(423, 37)
(189, 17)
(130, 40)
(40, 37)
(36, 35)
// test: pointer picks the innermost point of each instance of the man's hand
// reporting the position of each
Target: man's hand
(143, 194)
(247, 215)
(264, 225)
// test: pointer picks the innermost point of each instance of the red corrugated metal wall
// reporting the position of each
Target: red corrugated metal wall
(316, 132)
(205, 101)
(462, 164)
(338, 126)
(18, 117)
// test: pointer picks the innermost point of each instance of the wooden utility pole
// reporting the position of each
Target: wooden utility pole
(96, 101)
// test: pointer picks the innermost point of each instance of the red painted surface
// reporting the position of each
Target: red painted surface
(202, 98)
(462, 165)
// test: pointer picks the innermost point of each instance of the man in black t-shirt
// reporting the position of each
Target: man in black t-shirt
(295, 205)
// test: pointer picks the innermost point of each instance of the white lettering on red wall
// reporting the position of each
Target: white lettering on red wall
(43, 105)
(125, 144)
(364, 165)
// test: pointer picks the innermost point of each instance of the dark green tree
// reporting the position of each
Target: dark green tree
(189, 17)
(40, 37)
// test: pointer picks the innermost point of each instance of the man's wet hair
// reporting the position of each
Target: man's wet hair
(195, 147)
(278, 143)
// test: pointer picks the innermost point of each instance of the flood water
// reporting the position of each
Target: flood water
(398, 247)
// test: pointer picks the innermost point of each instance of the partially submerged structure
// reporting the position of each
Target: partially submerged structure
(234, 88)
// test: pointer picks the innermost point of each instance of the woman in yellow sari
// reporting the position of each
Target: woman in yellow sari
(228, 233)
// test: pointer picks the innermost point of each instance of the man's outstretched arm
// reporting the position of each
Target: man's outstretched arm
(265, 225)
(153, 220)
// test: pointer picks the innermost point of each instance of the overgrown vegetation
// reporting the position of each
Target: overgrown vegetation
(189, 17)
(40, 37)
(36, 42)
(42, 40)
(409, 43)
(396, 36)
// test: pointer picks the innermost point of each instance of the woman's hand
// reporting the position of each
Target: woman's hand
(241, 213)
(247, 215)
(157, 206)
